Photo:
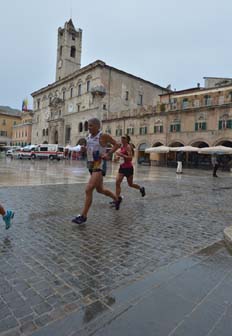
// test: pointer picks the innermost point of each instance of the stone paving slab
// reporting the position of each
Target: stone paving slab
(51, 268)
(189, 297)
(168, 309)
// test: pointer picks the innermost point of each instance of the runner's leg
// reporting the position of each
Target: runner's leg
(131, 184)
(119, 179)
(100, 188)
(92, 184)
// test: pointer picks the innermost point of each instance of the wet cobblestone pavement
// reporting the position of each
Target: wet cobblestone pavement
(51, 268)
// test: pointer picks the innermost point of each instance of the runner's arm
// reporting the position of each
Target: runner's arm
(107, 139)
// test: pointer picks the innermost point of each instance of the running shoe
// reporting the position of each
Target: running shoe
(79, 219)
(117, 203)
(9, 215)
(142, 190)
(112, 203)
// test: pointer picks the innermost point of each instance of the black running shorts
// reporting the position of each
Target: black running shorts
(126, 171)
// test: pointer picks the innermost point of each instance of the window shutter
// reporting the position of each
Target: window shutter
(220, 124)
(204, 125)
(196, 126)
(161, 129)
(229, 123)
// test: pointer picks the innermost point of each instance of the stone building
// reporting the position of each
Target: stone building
(61, 109)
(8, 118)
(199, 117)
(21, 135)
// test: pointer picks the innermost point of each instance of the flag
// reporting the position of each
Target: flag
(25, 105)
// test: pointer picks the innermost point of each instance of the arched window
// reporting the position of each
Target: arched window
(80, 127)
(73, 52)
(86, 126)
(44, 132)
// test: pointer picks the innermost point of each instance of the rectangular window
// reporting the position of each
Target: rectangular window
(221, 100)
(78, 107)
(67, 134)
(88, 86)
(223, 124)
(4, 122)
(71, 92)
(175, 128)
(140, 99)
(79, 89)
(38, 104)
(143, 130)
(200, 126)
(130, 131)
(118, 132)
(158, 129)
(127, 95)
(185, 104)
(63, 95)
(208, 100)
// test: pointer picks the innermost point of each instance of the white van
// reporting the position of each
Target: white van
(48, 151)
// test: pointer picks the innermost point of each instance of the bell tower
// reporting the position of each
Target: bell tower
(68, 50)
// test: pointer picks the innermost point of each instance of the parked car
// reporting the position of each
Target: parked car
(25, 152)
(12, 151)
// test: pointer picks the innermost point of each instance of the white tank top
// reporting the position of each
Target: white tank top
(95, 151)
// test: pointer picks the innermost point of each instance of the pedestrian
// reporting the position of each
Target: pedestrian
(97, 142)
(179, 159)
(126, 169)
(215, 164)
(7, 216)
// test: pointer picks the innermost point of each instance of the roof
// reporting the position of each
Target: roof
(10, 111)
(97, 63)
(217, 78)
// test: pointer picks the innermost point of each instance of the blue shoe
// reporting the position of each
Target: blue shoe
(79, 219)
(9, 215)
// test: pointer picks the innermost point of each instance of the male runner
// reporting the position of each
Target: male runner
(96, 156)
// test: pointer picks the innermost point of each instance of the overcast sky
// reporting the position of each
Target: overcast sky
(175, 42)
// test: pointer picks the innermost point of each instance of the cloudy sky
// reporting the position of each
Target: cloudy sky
(175, 42)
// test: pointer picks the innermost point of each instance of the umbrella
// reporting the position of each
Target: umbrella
(184, 149)
(158, 149)
(220, 150)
